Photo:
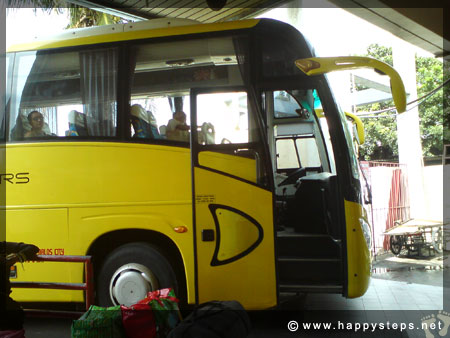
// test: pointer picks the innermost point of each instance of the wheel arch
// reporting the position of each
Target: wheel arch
(102, 246)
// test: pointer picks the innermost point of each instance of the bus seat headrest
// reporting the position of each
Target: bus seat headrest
(138, 111)
(77, 118)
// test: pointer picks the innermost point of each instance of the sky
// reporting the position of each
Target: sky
(24, 25)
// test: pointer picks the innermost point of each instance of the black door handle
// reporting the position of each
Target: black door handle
(208, 235)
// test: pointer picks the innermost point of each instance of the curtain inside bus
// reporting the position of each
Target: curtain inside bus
(98, 75)
(62, 86)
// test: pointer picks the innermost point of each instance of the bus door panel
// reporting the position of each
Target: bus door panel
(233, 211)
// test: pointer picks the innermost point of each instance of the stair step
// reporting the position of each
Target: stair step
(309, 271)
(307, 246)
(311, 259)
(290, 233)
(311, 288)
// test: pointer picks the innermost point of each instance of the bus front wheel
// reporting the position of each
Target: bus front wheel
(130, 272)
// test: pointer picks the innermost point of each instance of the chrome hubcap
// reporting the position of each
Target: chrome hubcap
(131, 283)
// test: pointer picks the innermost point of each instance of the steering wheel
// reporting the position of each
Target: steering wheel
(293, 177)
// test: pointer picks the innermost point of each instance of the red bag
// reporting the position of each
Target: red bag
(165, 309)
(138, 321)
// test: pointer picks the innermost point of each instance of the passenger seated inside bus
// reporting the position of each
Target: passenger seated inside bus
(77, 124)
(177, 129)
(162, 131)
(144, 123)
(37, 125)
(207, 134)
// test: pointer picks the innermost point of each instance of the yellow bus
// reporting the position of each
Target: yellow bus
(183, 155)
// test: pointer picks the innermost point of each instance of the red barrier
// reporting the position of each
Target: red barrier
(88, 273)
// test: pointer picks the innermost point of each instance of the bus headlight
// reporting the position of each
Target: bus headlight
(367, 232)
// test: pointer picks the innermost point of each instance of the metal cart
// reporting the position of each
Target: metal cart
(415, 235)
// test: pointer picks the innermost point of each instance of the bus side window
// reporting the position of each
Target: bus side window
(57, 83)
(229, 136)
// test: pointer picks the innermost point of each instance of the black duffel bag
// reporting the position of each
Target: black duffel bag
(225, 319)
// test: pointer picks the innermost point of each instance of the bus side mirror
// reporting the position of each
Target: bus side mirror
(358, 128)
(322, 65)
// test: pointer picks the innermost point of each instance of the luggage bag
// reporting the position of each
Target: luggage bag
(225, 319)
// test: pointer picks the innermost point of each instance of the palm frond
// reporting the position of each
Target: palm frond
(78, 16)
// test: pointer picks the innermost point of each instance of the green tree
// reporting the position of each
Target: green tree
(381, 131)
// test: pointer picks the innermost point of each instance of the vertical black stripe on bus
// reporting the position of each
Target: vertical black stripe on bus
(255, 92)
(194, 163)
(343, 169)
(3, 74)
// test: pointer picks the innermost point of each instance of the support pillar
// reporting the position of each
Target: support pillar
(408, 132)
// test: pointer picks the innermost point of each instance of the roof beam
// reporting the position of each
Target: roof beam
(124, 12)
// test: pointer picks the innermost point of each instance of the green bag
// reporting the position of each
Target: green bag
(99, 322)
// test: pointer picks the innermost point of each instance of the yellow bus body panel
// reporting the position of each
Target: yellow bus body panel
(358, 254)
(251, 279)
(134, 35)
(241, 167)
(48, 227)
(80, 191)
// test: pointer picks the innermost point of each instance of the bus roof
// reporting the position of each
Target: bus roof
(130, 31)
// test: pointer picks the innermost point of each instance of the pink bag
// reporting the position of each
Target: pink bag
(12, 334)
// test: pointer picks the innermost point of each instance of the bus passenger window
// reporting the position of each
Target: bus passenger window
(75, 92)
(229, 136)
(152, 118)
(164, 73)
(222, 118)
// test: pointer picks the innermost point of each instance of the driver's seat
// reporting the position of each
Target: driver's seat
(312, 210)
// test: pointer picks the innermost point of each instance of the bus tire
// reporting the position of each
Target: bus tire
(132, 270)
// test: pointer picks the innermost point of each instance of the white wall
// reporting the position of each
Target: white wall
(434, 189)
(438, 205)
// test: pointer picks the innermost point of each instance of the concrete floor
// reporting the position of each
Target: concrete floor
(404, 292)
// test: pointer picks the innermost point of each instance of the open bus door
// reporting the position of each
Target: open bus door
(358, 238)
(233, 213)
